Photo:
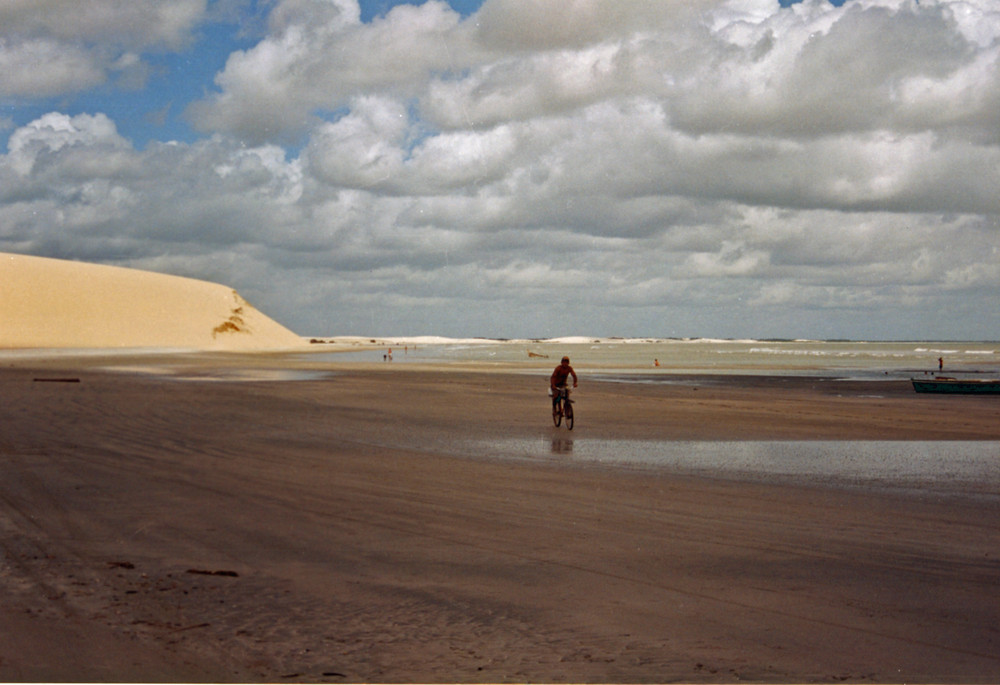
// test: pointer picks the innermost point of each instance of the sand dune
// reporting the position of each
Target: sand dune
(53, 303)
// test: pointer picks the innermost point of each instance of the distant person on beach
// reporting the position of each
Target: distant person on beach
(940, 363)
(559, 379)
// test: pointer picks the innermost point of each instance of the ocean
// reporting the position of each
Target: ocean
(637, 359)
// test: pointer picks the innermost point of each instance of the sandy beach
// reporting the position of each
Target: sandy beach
(346, 529)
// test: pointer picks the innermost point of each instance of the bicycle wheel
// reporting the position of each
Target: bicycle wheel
(569, 415)
(556, 414)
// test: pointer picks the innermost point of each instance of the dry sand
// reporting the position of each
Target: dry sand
(332, 531)
(55, 303)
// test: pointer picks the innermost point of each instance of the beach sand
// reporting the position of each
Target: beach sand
(347, 529)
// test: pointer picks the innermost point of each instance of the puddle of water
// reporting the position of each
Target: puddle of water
(234, 374)
(255, 375)
(969, 467)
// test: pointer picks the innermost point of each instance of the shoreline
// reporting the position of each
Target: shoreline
(330, 531)
(691, 405)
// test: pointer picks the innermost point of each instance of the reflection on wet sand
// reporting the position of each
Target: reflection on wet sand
(942, 466)
(561, 445)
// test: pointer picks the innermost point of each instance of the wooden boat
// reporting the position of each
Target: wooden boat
(956, 386)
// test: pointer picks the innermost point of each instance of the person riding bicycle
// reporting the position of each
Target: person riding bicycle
(559, 379)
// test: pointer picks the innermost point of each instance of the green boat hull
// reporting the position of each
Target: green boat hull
(953, 386)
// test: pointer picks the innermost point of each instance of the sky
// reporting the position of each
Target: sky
(522, 168)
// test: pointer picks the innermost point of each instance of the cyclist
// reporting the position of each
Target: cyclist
(559, 379)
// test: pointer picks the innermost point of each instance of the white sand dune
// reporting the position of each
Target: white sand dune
(54, 303)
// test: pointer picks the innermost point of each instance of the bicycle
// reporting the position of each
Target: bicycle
(563, 407)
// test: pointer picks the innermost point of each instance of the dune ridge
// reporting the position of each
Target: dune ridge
(55, 303)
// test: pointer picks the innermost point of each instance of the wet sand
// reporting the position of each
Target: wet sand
(330, 531)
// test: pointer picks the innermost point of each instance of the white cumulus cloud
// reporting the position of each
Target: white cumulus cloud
(591, 167)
